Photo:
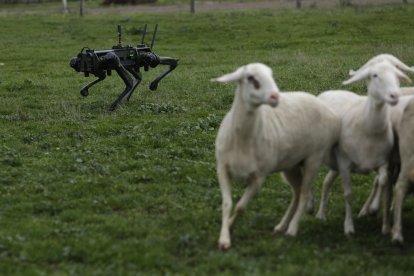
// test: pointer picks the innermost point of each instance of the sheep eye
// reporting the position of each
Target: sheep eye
(375, 75)
(252, 80)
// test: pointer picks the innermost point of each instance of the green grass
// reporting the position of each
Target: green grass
(84, 191)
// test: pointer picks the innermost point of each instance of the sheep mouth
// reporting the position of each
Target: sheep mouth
(273, 103)
(392, 102)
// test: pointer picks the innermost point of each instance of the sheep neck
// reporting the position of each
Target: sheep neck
(376, 116)
(243, 121)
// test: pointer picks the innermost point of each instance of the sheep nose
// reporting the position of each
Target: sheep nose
(274, 99)
(394, 96)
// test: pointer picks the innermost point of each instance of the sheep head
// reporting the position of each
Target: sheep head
(255, 83)
(382, 80)
(390, 58)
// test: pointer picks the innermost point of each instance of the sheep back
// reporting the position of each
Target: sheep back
(283, 136)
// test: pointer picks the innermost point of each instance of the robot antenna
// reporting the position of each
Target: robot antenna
(153, 37)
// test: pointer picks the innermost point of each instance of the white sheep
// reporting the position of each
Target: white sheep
(371, 207)
(396, 113)
(395, 116)
(366, 135)
(256, 138)
(406, 176)
(394, 160)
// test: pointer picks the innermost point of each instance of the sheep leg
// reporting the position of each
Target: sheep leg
(310, 205)
(386, 228)
(382, 182)
(327, 184)
(395, 172)
(401, 189)
(225, 187)
(345, 173)
(249, 193)
(311, 168)
(294, 178)
(365, 210)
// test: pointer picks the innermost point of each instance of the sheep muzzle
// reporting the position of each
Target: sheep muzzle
(274, 100)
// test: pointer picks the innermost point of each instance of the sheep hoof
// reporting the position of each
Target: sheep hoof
(397, 237)
(278, 230)
(349, 231)
(290, 235)
(398, 240)
(363, 213)
(386, 230)
(349, 235)
(321, 216)
(224, 246)
(292, 231)
(224, 242)
(310, 207)
(373, 211)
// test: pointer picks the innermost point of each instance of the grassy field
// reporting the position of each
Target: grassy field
(84, 191)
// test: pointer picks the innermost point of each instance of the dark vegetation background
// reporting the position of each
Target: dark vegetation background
(84, 191)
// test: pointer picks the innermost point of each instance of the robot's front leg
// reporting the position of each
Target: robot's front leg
(154, 84)
(85, 90)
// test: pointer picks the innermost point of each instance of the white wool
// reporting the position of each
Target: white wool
(407, 91)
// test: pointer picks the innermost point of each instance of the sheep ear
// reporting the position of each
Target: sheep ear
(398, 63)
(405, 68)
(390, 58)
(231, 77)
(401, 76)
(366, 65)
(359, 75)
